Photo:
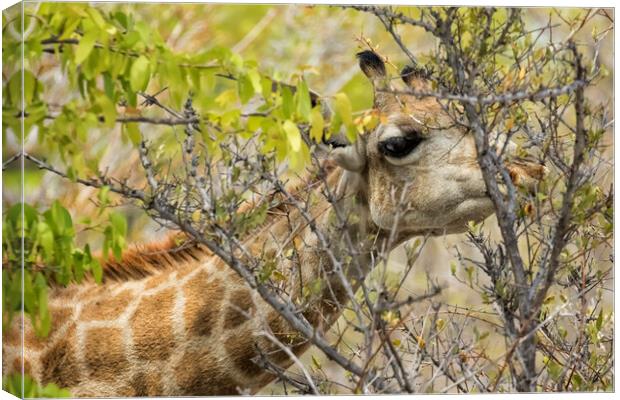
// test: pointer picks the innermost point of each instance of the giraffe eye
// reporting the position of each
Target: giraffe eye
(399, 146)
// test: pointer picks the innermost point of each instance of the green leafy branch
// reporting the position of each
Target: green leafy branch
(44, 244)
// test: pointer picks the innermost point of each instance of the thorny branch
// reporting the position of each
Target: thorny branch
(477, 98)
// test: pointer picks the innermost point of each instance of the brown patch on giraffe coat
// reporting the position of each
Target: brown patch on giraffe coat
(60, 316)
(104, 354)
(205, 377)
(122, 391)
(31, 340)
(146, 384)
(58, 363)
(12, 337)
(153, 337)
(240, 310)
(17, 365)
(202, 303)
(107, 309)
(138, 384)
(283, 331)
(219, 264)
(278, 325)
(314, 313)
(241, 349)
(27, 367)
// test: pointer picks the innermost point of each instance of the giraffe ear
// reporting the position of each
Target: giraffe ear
(351, 157)
(371, 64)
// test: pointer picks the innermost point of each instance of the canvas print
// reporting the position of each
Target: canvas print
(235, 199)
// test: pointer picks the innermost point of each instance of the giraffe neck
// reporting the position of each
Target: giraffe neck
(343, 231)
(198, 329)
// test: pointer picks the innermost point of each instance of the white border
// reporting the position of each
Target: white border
(498, 3)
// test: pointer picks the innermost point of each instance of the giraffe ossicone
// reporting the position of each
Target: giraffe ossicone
(172, 322)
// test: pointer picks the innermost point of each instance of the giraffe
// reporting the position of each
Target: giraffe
(175, 320)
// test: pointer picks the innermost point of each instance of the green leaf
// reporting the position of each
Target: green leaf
(133, 132)
(317, 125)
(118, 223)
(86, 45)
(343, 108)
(287, 102)
(246, 90)
(30, 299)
(96, 269)
(226, 98)
(30, 214)
(59, 220)
(46, 238)
(122, 19)
(45, 321)
(254, 77)
(108, 85)
(303, 100)
(96, 17)
(293, 135)
(108, 109)
(103, 198)
(31, 86)
(139, 75)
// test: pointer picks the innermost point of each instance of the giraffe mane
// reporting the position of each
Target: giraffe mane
(142, 260)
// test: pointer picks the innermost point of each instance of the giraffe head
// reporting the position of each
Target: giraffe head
(417, 164)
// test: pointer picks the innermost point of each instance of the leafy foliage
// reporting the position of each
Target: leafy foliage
(45, 243)
(13, 384)
(110, 58)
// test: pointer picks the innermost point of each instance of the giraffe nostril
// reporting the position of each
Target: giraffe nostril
(399, 146)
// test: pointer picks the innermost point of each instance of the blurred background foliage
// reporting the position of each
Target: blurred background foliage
(73, 94)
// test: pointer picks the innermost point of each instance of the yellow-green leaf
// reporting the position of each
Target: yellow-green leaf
(343, 108)
(292, 134)
(133, 132)
(108, 109)
(303, 100)
(139, 74)
(245, 87)
(96, 17)
(196, 216)
(86, 45)
(255, 80)
(317, 125)
(287, 102)
(316, 363)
